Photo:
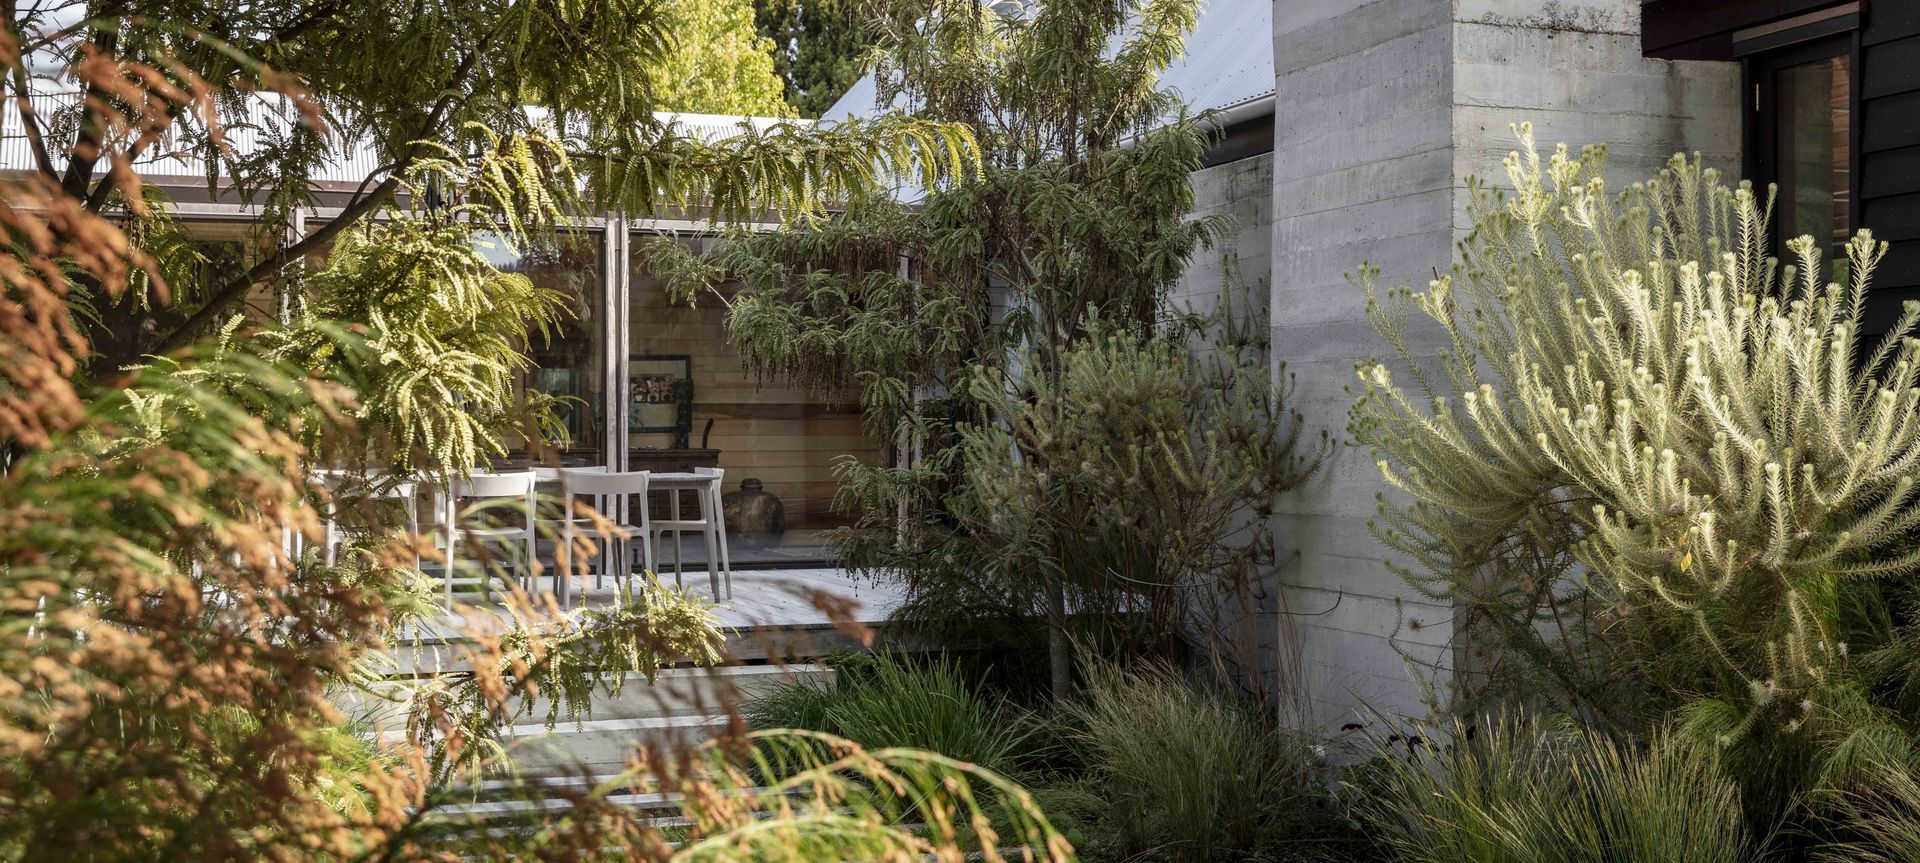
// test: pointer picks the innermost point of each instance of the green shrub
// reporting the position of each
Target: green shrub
(1527, 791)
(884, 700)
(1183, 768)
(1661, 476)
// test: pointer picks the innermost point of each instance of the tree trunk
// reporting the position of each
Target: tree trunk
(1059, 649)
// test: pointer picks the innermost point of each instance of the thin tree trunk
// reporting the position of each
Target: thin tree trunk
(1059, 650)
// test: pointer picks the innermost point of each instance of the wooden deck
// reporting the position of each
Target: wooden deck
(776, 613)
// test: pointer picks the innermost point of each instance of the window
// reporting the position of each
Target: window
(1801, 124)
(693, 403)
(1813, 157)
(570, 364)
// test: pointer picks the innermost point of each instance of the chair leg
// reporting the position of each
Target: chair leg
(413, 528)
(707, 516)
(606, 562)
(447, 570)
(713, 562)
(678, 570)
(720, 525)
(679, 565)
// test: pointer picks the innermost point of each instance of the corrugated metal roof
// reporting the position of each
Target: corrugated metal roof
(1229, 58)
(1228, 62)
(350, 161)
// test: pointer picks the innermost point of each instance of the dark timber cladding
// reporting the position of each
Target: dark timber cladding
(1886, 51)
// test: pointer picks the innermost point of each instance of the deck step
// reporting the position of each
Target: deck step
(683, 706)
(602, 747)
(689, 691)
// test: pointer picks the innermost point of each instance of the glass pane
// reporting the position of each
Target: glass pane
(570, 364)
(225, 248)
(777, 443)
(1815, 123)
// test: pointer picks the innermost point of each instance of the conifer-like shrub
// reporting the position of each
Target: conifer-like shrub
(1660, 472)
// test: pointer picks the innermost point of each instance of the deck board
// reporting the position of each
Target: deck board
(773, 613)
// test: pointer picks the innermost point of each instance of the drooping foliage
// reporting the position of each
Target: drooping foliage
(1508, 788)
(402, 83)
(1078, 225)
(888, 700)
(1190, 772)
(1661, 474)
(172, 653)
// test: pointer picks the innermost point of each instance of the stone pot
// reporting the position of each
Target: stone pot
(754, 515)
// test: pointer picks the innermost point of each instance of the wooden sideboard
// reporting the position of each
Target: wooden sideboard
(671, 460)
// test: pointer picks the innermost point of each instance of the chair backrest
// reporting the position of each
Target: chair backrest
(713, 474)
(370, 484)
(514, 484)
(602, 483)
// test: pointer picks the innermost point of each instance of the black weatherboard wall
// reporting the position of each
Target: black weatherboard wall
(1889, 186)
(1883, 39)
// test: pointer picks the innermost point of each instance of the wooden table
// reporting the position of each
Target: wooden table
(672, 484)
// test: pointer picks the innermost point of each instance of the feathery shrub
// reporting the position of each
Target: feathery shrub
(1661, 474)
(885, 700)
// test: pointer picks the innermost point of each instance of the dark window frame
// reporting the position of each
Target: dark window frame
(1765, 55)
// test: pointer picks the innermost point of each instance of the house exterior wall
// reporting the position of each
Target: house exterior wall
(1383, 110)
(1239, 265)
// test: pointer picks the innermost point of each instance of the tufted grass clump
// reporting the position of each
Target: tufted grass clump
(1517, 789)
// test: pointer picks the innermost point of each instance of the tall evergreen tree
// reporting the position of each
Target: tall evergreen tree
(819, 47)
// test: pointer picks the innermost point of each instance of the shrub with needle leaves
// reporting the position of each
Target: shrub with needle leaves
(1659, 472)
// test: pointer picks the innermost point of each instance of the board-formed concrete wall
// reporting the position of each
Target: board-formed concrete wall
(1383, 109)
(1238, 267)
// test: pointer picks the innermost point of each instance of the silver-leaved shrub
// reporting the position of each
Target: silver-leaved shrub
(1662, 474)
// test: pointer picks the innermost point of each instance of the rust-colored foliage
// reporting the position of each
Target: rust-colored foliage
(168, 658)
(153, 618)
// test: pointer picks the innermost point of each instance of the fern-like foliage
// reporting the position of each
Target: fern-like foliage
(1657, 469)
(1075, 223)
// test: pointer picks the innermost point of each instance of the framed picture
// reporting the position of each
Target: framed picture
(660, 394)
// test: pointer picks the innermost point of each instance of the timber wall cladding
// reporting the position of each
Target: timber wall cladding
(1890, 147)
(780, 434)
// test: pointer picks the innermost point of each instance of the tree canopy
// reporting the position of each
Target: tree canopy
(719, 63)
(946, 315)
(404, 83)
(820, 48)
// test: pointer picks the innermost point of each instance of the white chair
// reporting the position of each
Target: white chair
(490, 487)
(608, 490)
(705, 484)
(367, 486)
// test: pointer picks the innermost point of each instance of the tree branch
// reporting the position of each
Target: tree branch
(236, 289)
(92, 141)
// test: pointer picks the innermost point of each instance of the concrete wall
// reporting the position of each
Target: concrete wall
(1238, 268)
(1384, 109)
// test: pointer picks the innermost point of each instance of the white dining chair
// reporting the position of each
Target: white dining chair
(516, 485)
(609, 491)
(705, 484)
(371, 488)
